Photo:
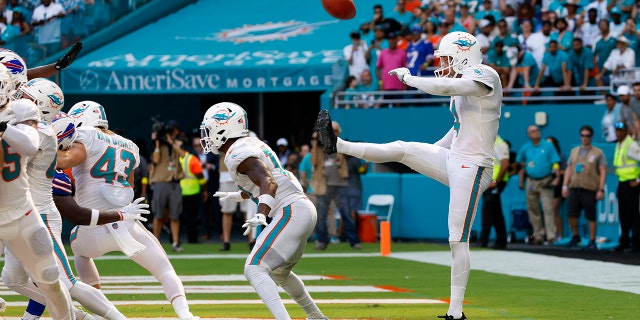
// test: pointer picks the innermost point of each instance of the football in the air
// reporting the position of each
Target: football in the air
(341, 9)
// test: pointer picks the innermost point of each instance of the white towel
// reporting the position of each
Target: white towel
(126, 242)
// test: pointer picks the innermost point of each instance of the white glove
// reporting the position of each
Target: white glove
(259, 219)
(235, 196)
(134, 210)
(400, 73)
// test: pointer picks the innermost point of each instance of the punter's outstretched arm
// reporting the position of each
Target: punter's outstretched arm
(442, 86)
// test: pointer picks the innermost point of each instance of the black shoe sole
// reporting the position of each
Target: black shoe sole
(326, 137)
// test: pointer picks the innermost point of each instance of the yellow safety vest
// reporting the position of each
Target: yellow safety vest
(189, 184)
(496, 163)
(626, 168)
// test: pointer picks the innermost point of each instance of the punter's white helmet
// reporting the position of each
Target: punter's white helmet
(47, 96)
(89, 113)
(222, 122)
(457, 51)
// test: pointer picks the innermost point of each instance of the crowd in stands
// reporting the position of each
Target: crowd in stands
(36, 29)
(566, 44)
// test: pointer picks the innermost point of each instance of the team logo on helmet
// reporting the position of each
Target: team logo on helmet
(56, 98)
(14, 66)
(464, 44)
(77, 112)
(223, 116)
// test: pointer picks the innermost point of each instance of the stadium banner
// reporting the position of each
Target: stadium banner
(200, 49)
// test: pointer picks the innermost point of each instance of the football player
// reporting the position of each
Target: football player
(21, 229)
(103, 164)
(49, 99)
(255, 168)
(462, 159)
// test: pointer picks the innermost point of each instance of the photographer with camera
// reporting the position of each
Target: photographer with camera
(165, 173)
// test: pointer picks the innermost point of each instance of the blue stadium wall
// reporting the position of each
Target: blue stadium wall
(418, 197)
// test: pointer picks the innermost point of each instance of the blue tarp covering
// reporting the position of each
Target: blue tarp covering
(216, 46)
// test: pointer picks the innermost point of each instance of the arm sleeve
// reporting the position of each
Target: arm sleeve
(448, 86)
(445, 141)
(61, 185)
(23, 139)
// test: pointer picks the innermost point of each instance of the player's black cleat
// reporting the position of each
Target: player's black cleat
(448, 317)
(326, 137)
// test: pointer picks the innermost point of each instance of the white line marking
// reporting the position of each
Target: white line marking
(285, 301)
(157, 289)
(196, 278)
(590, 273)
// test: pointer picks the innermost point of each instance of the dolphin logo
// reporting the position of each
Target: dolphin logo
(55, 98)
(78, 111)
(223, 117)
(464, 43)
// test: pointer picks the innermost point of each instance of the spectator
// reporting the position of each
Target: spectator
(450, 19)
(580, 64)
(492, 215)
(557, 189)
(356, 167)
(616, 25)
(601, 8)
(631, 34)
(305, 170)
(524, 13)
(356, 55)
(46, 19)
(627, 115)
(350, 84)
(366, 84)
(487, 10)
(283, 151)
(366, 33)
(635, 99)
(498, 60)
(379, 43)
(72, 26)
(6, 14)
(401, 14)
(431, 33)
(141, 172)
(466, 18)
(505, 36)
(605, 45)
(209, 209)
(583, 185)
(562, 35)
(391, 58)
(537, 43)
(387, 24)
(165, 174)
(484, 37)
(194, 191)
(331, 183)
(525, 72)
(539, 159)
(590, 30)
(556, 60)
(573, 16)
(610, 117)
(419, 52)
(625, 161)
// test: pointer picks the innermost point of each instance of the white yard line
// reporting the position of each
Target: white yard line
(590, 273)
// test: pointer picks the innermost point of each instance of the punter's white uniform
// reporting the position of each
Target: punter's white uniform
(282, 242)
(462, 159)
(102, 184)
(23, 232)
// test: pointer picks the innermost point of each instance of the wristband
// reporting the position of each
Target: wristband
(94, 217)
(267, 199)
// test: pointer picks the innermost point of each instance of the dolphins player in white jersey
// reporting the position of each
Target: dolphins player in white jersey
(256, 170)
(103, 164)
(21, 229)
(462, 159)
(50, 100)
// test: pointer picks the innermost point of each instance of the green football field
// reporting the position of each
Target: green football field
(350, 284)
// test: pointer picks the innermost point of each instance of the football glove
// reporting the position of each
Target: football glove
(235, 196)
(259, 219)
(400, 73)
(134, 211)
(69, 57)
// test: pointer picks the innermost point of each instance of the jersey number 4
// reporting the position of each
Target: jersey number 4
(105, 166)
